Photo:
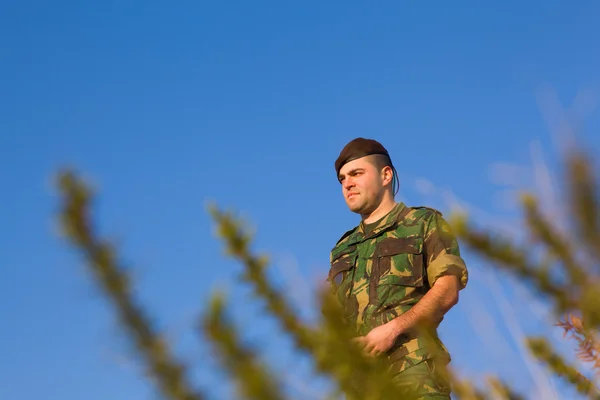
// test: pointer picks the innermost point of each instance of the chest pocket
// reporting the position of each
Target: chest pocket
(342, 265)
(400, 261)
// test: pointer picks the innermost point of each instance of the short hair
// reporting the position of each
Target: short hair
(380, 161)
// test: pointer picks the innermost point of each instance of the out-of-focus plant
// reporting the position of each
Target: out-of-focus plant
(565, 273)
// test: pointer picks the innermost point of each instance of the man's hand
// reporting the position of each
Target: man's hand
(429, 310)
(380, 339)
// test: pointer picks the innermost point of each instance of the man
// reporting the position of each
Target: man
(398, 269)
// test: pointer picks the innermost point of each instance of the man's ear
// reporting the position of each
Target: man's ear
(387, 175)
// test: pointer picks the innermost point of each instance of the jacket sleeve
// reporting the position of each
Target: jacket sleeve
(442, 252)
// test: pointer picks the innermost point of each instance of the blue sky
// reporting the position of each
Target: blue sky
(163, 106)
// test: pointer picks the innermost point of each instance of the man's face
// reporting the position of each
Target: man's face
(362, 185)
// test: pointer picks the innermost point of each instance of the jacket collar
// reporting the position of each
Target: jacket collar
(386, 222)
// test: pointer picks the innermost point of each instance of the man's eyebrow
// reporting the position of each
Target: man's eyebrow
(351, 172)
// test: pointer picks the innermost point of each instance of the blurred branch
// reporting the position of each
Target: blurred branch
(512, 258)
(584, 203)
(330, 344)
(519, 337)
(101, 259)
(542, 350)
(254, 380)
(502, 391)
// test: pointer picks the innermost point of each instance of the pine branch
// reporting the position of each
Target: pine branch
(502, 391)
(237, 245)
(514, 259)
(101, 259)
(556, 245)
(464, 390)
(543, 351)
(584, 201)
(254, 380)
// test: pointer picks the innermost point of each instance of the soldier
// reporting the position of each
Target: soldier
(398, 269)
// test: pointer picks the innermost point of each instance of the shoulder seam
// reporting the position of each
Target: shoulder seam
(346, 234)
(430, 209)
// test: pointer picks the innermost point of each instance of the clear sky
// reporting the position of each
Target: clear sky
(163, 106)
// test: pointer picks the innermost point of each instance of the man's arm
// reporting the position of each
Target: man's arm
(431, 308)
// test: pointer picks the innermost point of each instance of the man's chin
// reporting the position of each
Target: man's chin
(355, 208)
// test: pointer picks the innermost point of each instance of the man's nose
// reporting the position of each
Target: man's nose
(348, 183)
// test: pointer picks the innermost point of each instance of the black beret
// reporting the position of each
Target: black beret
(358, 148)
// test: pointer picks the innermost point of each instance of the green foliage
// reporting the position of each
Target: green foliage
(575, 292)
(113, 279)
(567, 273)
(252, 377)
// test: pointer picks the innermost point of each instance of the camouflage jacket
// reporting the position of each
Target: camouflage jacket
(380, 276)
